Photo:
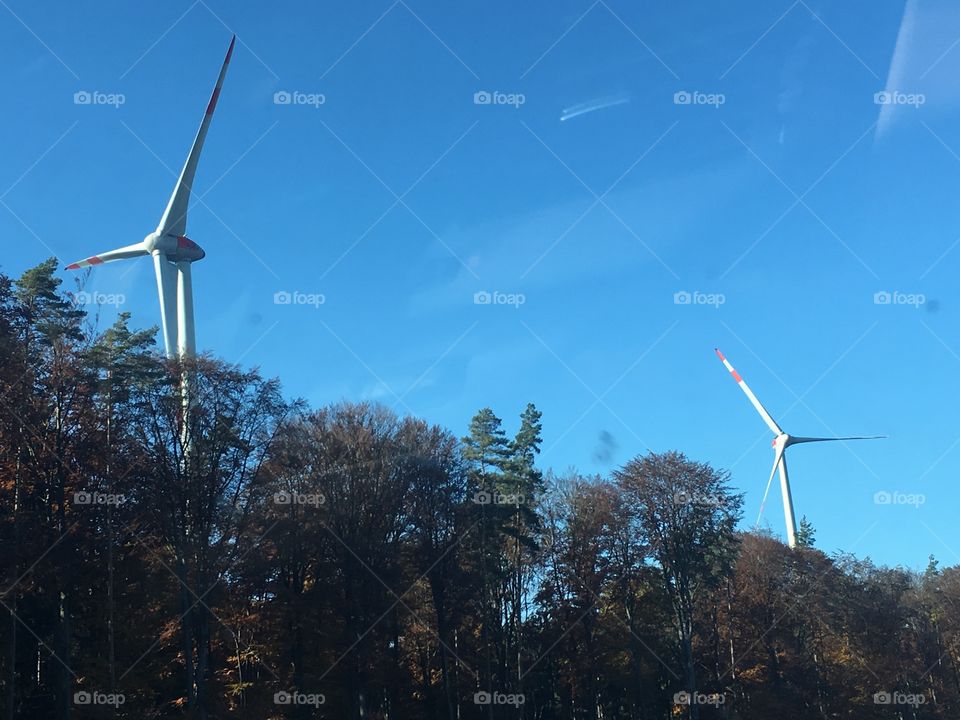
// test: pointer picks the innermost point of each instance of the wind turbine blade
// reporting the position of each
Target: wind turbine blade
(167, 290)
(174, 220)
(766, 492)
(749, 393)
(130, 251)
(795, 440)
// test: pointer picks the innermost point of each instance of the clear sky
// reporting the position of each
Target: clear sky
(782, 192)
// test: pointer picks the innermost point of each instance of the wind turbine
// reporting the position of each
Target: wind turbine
(173, 252)
(780, 444)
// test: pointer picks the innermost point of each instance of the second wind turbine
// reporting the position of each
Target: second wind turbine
(780, 443)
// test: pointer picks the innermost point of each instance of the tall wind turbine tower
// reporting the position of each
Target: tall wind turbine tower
(781, 442)
(173, 252)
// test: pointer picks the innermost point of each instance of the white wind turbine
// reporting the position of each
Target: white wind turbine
(780, 444)
(173, 252)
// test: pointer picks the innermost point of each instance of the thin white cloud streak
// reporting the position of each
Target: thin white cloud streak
(593, 105)
(901, 53)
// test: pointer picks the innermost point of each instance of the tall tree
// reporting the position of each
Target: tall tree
(688, 516)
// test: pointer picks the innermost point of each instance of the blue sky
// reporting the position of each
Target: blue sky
(782, 188)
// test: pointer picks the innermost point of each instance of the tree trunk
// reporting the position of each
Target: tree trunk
(186, 633)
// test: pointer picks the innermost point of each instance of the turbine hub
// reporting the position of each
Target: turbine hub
(780, 440)
(151, 241)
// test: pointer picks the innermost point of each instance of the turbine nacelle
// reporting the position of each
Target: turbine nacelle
(175, 248)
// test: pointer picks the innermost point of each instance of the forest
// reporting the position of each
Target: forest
(348, 562)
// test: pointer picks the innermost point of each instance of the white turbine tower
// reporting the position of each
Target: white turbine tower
(173, 252)
(780, 444)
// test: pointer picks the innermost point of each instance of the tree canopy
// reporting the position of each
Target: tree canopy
(347, 562)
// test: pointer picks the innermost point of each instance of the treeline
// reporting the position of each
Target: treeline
(262, 559)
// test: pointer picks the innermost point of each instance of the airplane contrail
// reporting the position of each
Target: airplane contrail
(592, 105)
